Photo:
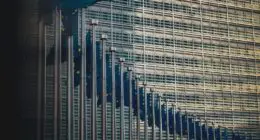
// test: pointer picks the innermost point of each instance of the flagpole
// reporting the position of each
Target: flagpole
(104, 86)
(83, 74)
(153, 111)
(145, 111)
(200, 129)
(187, 121)
(57, 58)
(94, 79)
(112, 50)
(181, 123)
(213, 125)
(167, 119)
(70, 83)
(174, 121)
(194, 127)
(130, 101)
(160, 111)
(137, 78)
(207, 129)
(122, 129)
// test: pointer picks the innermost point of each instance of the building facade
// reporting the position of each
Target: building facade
(202, 56)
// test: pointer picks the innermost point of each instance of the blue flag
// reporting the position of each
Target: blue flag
(142, 107)
(126, 89)
(109, 77)
(171, 121)
(225, 134)
(204, 131)
(99, 72)
(211, 135)
(198, 130)
(118, 85)
(184, 124)
(178, 122)
(164, 117)
(157, 111)
(217, 134)
(191, 127)
(88, 63)
(149, 110)
(135, 98)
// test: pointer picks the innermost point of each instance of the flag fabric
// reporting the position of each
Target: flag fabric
(77, 64)
(211, 131)
(164, 117)
(225, 134)
(126, 89)
(204, 131)
(217, 133)
(149, 109)
(109, 76)
(99, 72)
(88, 63)
(118, 85)
(184, 124)
(157, 111)
(135, 97)
(142, 106)
(191, 127)
(178, 122)
(171, 121)
(198, 130)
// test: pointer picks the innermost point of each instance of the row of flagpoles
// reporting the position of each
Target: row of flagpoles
(145, 105)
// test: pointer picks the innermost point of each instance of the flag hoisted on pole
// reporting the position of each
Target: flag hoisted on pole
(112, 50)
(104, 85)
(130, 101)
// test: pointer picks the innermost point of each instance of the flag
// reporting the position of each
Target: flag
(88, 63)
(99, 72)
(77, 64)
(184, 124)
(235, 136)
(118, 85)
(217, 133)
(149, 109)
(126, 89)
(157, 111)
(204, 131)
(225, 134)
(211, 131)
(178, 122)
(164, 117)
(134, 97)
(142, 105)
(109, 76)
(171, 121)
(191, 127)
(198, 130)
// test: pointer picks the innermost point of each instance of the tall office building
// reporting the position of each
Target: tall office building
(203, 55)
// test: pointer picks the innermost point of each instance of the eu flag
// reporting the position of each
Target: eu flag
(225, 134)
(178, 122)
(191, 127)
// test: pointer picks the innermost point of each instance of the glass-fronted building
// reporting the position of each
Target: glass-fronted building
(202, 55)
